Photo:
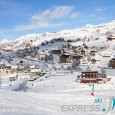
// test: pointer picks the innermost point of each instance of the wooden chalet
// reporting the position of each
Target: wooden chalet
(25, 69)
(93, 61)
(89, 77)
(90, 74)
(93, 52)
(36, 72)
(111, 38)
(7, 70)
(77, 57)
(65, 58)
(92, 77)
(112, 63)
(57, 51)
(41, 55)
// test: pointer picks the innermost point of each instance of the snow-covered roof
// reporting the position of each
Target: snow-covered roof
(41, 53)
(14, 67)
(35, 70)
(32, 66)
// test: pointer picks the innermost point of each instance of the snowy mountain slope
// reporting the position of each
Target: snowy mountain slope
(47, 94)
(46, 97)
(86, 31)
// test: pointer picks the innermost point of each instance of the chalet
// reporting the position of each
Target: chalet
(57, 51)
(111, 38)
(84, 61)
(65, 58)
(14, 68)
(36, 72)
(93, 61)
(83, 52)
(106, 54)
(77, 57)
(78, 39)
(19, 70)
(112, 63)
(8, 70)
(33, 66)
(96, 38)
(90, 74)
(48, 57)
(58, 40)
(93, 52)
(26, 68)
(41, 56)
(69, 40)
(33, 54)
(88, 77)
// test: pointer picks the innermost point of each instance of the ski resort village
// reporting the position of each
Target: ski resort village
(58, 73)
(57, 57)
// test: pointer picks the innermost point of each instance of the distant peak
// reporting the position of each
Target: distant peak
(4, 41)
(88, 26)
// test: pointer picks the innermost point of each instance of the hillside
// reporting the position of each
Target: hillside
(56, 73)
(100, 31)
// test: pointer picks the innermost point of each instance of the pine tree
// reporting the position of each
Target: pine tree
(88, 58)
(75, 64)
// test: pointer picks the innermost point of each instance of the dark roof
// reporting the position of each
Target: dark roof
(93, 51)
(90, 72)
(113, 59)
(8, 67)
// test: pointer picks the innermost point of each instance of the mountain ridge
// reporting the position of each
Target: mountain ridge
(88, 30)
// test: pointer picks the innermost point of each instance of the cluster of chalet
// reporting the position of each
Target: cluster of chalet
(31, 51)
(67, 53)
(22, 67)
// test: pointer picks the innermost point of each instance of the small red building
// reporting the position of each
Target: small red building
(89, 77)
